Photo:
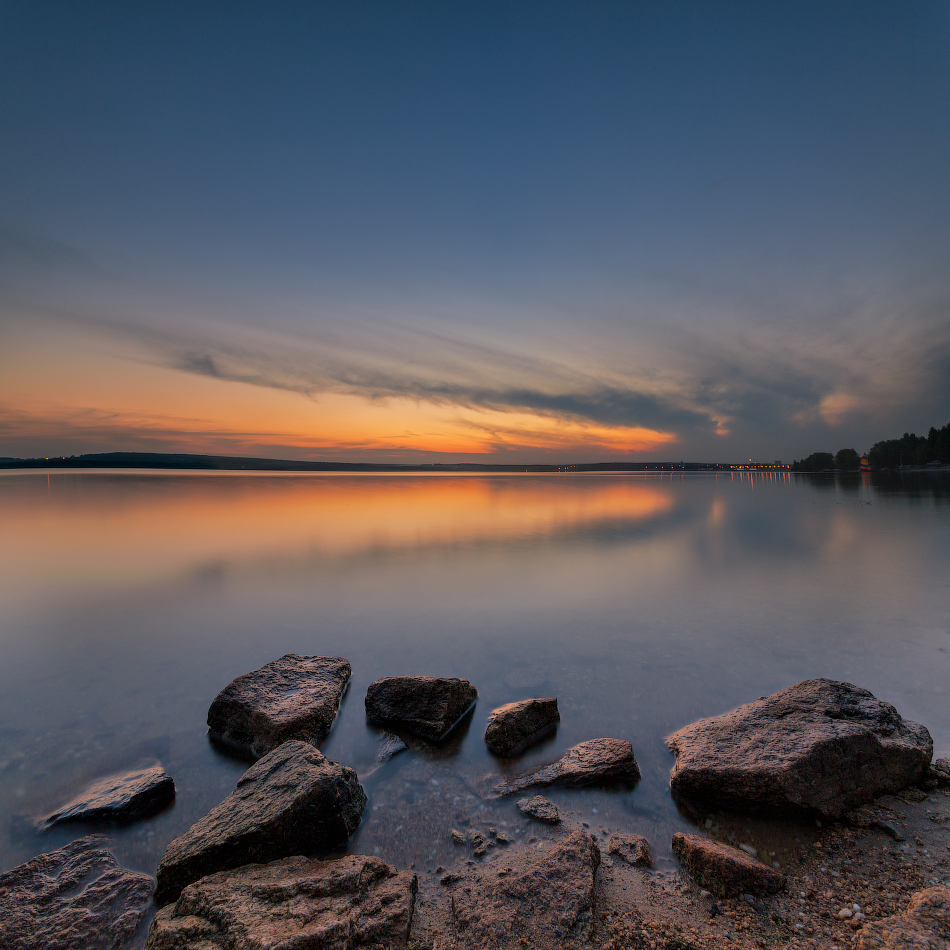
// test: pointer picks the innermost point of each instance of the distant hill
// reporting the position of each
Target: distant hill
(231, 463)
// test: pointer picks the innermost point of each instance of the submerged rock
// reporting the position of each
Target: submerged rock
(722, 870)
(820, 745)
(292, 801)
(388, 747)
(539, 807)
(634, 849)
(548, 905)
(588, 763)
(351, 902)
(429, 706)
(516, 726)
(295, 697)
(76, 897)
(122, 797)
(925, 925)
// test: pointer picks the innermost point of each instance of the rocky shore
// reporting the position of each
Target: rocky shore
(840, 776)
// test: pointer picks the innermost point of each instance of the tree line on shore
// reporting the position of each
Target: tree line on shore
(909, 449)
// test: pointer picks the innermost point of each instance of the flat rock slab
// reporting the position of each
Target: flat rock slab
(723, 870)
(76, 898)
(292, 801)
(540, 808)
(517, 726)
(589, 763)
(429, 706)
(295, 697)
(820, 745)
(634, 849)
(548, 905)
(297, 902)
(925, 925)
(118, 798)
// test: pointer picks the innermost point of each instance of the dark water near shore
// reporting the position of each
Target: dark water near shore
(642, 603)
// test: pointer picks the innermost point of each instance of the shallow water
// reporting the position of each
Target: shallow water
(641, 602)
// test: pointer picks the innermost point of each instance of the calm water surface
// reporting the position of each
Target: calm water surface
(643, 603)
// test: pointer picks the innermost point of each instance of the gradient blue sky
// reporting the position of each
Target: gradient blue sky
(510, 231)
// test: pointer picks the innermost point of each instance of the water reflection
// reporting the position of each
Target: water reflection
(642, 603)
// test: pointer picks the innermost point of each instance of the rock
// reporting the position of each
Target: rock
(76, 897)
(539, 807)
(291, 801)
(589, 763)
(548, 905)
(820, 746)
(429, 706)
(296, 902)
(516, 726)
(295, 697)
(940, 772)
(724, 871)
(925, 925)
(388, 747)
(122, 797)
(634, 849)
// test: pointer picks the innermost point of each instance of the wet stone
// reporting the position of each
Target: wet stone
(515, 727)
(355, 901)
(292, 801)
(634, 849)
(429, 706)
(540, 808)
(118, 798)
(821, 745)
(295, 697)
(76, 898)
(722, 870)
(597, 761)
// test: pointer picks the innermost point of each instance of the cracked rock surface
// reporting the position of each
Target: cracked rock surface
(295, 697)
(293, 800)
(354, 901)
(821, 745)
(75, 898)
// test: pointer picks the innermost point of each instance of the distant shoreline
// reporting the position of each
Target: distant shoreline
(227, 463)
(168, 461)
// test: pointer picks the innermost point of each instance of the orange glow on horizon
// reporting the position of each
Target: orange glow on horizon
(67, 396)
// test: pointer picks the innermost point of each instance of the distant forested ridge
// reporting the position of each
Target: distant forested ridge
(910, 449)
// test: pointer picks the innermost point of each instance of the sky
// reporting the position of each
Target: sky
(492, 231)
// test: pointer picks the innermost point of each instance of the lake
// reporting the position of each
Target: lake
(642, 602)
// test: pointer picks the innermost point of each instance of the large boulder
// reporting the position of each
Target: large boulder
(429, 706)
(594, 762)
(516, 726)
(723, 870)
(548, 905)
(925, 925)
(295, 697)
(118, 798)
(820, 746)
(76, 897)
(297, 902)
(292, 801)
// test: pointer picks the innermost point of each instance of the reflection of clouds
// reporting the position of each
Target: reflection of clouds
(133, 527)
